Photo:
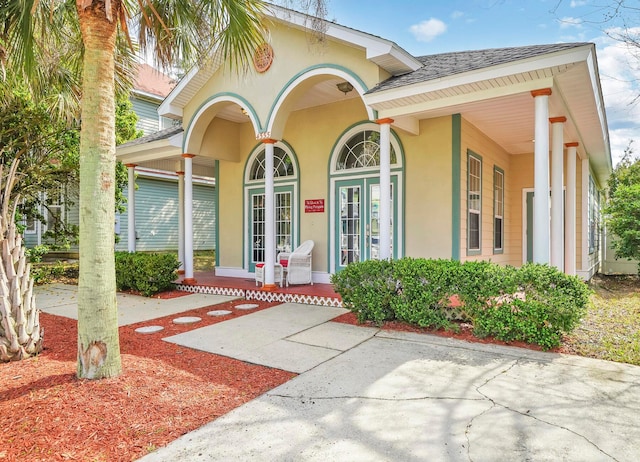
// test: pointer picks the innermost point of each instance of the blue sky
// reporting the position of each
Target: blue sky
(428, 26)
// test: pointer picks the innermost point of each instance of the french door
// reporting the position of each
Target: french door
(357, 211)
(257, 226)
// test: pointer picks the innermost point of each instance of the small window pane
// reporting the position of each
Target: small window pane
(361, 151)
(498, 209)
(282, 164)
(474, 202)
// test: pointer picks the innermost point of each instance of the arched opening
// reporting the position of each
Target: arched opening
(286, 182)
(355, 196)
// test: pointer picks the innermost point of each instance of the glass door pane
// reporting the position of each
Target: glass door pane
(349, 235)
(283, 221)
(257, 228)
(373, 225)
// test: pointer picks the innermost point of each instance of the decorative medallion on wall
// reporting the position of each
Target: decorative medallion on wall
(263, 57)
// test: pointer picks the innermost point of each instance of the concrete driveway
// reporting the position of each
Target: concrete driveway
(369, 395)
(413, 397)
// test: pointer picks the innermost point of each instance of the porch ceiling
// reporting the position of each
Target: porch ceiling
(323, 92)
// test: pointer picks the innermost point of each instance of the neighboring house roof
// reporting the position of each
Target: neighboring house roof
(157, 136)
(447, 64)
(151, 82)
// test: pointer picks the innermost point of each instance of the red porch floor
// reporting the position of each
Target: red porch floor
(208, 283)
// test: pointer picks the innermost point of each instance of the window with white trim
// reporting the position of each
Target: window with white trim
(30, 224)
(498, 210)
(474, 203)
(54, 213)
(593, 215)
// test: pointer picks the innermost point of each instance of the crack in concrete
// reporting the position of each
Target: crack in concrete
(495, 404)
(372, 398)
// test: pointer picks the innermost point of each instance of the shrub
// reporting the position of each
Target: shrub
(147, 273)
(534, 304)
(36, 253)
(366, 289)
(424, 290)
(538, 305)
(45, 273)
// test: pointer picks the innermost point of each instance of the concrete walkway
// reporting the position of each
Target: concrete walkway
(290, 336)
(371, 395)
(61, 300)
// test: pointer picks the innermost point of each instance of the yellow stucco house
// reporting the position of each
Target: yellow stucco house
(472, 147)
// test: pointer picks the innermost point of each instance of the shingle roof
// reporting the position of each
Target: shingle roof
(157, 136)
(447, 64)
(152, 81)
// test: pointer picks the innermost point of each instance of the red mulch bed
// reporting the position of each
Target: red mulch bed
(47, 414)
(465, 333)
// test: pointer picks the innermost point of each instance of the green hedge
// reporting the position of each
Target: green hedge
(46, 273)
(534, 303)
(147, 273)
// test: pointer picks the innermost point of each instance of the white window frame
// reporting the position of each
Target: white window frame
(498, 208)
(471, 158)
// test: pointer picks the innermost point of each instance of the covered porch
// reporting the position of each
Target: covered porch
(209, 283)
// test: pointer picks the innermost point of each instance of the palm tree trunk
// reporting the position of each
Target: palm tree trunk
(20, 333)
(98, 342)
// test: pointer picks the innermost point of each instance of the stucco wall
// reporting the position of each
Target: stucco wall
(428, 206)
(492, 155)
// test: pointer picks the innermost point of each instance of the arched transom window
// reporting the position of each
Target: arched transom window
(282, 165)
(362, 150)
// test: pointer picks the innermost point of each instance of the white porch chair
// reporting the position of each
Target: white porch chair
(297, 264)
(277, 273)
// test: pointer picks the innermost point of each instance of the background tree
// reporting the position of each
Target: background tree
(622, 212)
(33, 152)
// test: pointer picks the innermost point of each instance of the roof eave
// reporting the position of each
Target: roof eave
(384, 53)
(502, 70)
(377, 48)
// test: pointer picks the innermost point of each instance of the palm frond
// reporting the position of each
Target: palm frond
(187, 32)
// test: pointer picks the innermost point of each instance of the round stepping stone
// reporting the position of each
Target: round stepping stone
(218, 312)
(149, 329)
(246, 306)
(187, 320)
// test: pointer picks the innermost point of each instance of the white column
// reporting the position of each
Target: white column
(181, 219)
(557, 192)
(385, 189)
(541, 229)
(131, 208)
(269, 217)
(570, 214)
(188, 218)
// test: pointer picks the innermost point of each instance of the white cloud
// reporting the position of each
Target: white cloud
(577, 3)
(428, 30)
(457, 14)
(569, 21)
(619, 68)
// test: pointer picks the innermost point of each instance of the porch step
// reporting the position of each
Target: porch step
(263, 295)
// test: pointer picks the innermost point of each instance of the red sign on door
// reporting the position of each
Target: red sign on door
(313, 205)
